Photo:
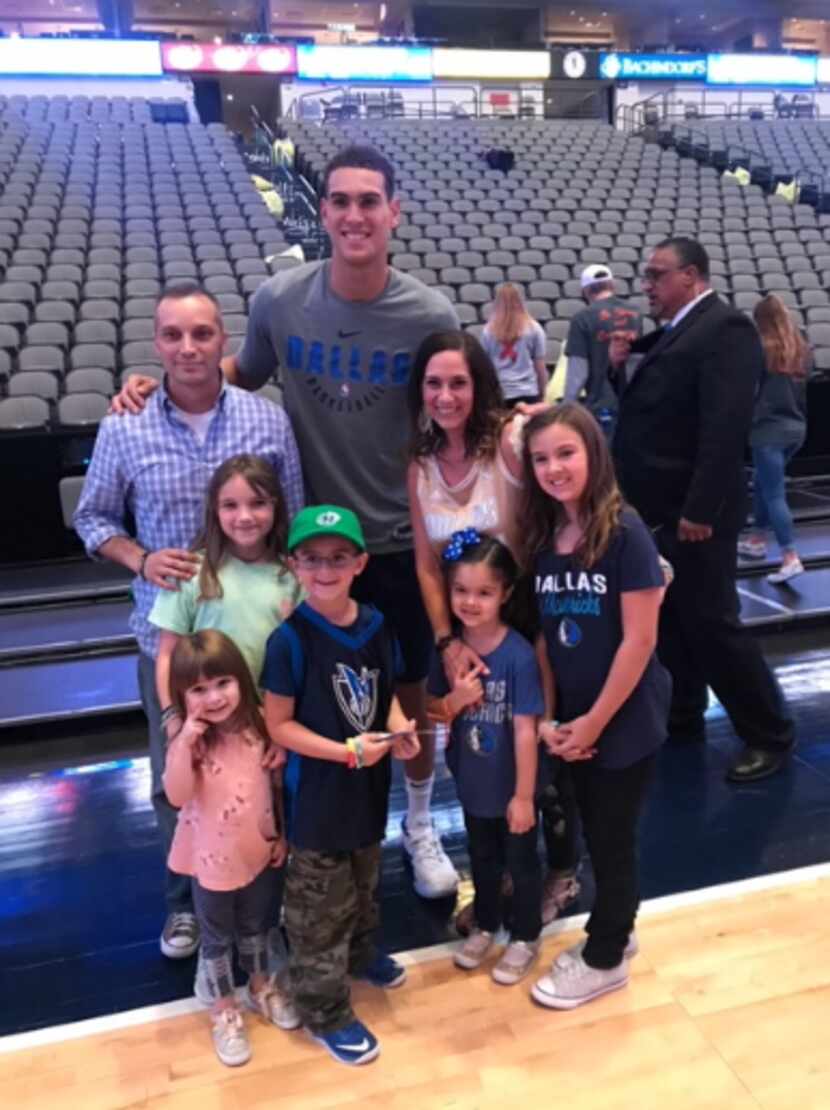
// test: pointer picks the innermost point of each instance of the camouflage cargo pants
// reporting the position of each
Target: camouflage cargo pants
(331, 914)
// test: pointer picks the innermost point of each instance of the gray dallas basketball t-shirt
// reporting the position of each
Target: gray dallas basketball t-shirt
(344, 367)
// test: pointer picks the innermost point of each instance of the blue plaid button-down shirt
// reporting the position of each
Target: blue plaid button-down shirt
(153, 465)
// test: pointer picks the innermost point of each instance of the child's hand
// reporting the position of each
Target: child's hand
(406, 744)
(521, 815)
(546, 733)
(274, 757)
(468, 689)
(459, 658)
(575, 740)
(375, 747)
(192, 731)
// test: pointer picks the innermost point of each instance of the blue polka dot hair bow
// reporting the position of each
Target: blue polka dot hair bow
(458, 541)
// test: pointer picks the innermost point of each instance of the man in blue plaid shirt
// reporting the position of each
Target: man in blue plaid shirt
(158, 464)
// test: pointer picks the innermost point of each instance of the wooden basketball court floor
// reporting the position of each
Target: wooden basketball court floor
(727, 1009)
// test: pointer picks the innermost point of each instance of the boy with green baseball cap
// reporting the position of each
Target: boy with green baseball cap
(325, 520)
(329, 679)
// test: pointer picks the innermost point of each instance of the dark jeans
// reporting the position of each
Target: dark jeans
(770, 507)
(702, 643)
(610, 803)
(494, 849)
(559, 816)
(243, 916)
(176, 887)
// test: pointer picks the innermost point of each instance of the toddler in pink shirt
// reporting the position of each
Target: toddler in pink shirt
(228, 837)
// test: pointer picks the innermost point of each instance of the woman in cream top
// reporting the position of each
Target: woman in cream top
(464, 472)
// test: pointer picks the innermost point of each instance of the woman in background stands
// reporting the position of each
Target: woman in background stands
(516, 345)
(779, 425)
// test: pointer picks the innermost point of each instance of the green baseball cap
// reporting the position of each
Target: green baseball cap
(325, 520)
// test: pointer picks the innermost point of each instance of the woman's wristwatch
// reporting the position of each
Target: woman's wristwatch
(443, 642)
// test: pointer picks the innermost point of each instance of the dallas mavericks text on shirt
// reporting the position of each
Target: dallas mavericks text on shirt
(582, 593)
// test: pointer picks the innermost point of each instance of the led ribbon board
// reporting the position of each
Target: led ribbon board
(798, 70)
(202, 57)
(364, 63)
(652, 67)
(79, 58)
(491, 65)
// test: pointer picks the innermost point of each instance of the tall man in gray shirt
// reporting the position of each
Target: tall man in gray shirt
(344, 333)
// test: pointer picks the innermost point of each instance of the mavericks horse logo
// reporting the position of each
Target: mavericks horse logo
(357, 695)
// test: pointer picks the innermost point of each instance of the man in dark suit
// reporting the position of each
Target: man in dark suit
(685, 412)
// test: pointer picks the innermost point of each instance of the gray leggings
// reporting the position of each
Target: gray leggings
(244, 916)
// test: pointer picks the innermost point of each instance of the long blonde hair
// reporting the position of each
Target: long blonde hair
(785, 349)
(510, 318)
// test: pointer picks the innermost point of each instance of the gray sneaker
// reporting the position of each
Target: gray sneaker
(472, 952)
(516, 961)
(272, 1004)
(229, 1038)
(571, 982)
(632, 949)
(180, 936)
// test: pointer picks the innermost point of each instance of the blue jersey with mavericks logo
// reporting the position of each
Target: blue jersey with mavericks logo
(482, 753)
(344, 368)
(581, 614)
(342, 683)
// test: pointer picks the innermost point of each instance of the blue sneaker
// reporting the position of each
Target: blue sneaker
(353, 1044)
(384, 972)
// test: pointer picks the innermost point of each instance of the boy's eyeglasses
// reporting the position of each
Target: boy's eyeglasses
(340, 561)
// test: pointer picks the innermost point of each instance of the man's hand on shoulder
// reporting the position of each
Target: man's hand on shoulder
(170, 563)
(132, 397)
(689, 532)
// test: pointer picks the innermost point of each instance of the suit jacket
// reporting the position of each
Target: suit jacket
(684, 419)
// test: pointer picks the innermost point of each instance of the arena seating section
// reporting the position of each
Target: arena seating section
(99, 207)
(785, 147)
(581, 193)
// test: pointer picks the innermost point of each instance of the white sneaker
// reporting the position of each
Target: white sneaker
(433, 873)
(272, 1004)
(515, 962)
(632, 949)
(472, 953)
(180, 936)
(571, 982)
(785, 572)
(752, 549)
(230, 1039)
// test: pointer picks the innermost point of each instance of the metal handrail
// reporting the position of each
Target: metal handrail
(445, 101)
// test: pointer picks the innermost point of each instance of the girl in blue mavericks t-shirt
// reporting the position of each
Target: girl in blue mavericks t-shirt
(493, 750)
(598, 586)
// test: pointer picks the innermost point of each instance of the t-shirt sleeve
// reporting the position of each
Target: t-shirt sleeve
(279, 667)
(257, 360)
(527, 685)
(175, 610)
(437, 685)
(639, 562)
(536, 342)
(578, 344)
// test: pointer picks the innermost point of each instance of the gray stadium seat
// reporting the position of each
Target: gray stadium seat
(23, 414)
(82, 410)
